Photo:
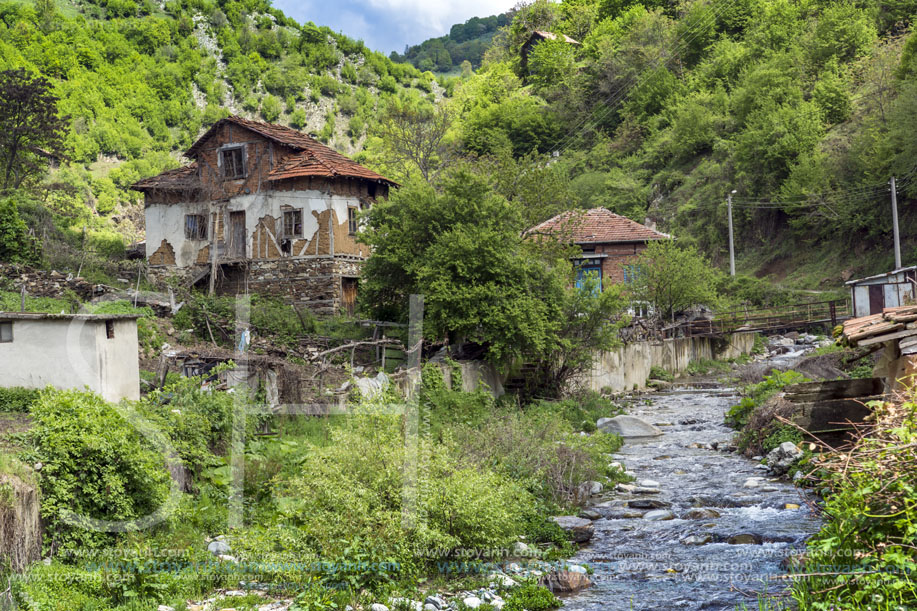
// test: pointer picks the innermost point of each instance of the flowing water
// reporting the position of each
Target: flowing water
(688, 563)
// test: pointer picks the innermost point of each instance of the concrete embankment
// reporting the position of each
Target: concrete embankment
(627, 367)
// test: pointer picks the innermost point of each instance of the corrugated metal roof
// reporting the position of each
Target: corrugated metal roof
(596, 226)
(886, 274)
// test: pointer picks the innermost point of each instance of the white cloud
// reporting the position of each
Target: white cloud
(440, 16)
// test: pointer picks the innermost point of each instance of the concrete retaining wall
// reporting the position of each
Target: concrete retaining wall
(628, 367)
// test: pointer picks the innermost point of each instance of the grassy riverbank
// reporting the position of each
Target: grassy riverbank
(348, 509)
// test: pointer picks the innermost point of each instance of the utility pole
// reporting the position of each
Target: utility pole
(895, 225)
(732, 254)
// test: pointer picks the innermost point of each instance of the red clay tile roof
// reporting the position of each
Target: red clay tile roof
(185, 178)
(596, 226)
(315, 158)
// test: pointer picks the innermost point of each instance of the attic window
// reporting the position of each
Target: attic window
(292, 223)
(195, 227)
(352, 221)
(6, 332)
(110, 329)
(232, 161)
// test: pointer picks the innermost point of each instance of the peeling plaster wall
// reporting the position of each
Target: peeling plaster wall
(167, 222)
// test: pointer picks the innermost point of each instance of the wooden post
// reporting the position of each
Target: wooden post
(22, 299)
(832, 307)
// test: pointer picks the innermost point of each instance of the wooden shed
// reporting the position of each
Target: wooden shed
(889, 290)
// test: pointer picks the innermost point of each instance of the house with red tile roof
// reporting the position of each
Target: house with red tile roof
(610, 243)
(261, 208)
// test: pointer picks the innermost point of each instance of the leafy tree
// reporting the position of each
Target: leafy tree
(413, 136)
(32, 132)
(463, 249)
(17, 245)
(590, 323)
(672, 278)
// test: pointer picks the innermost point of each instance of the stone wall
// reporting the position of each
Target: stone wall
(311, 282)
(41, 283)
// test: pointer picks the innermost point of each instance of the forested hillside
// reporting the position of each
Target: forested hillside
(137, 83)
(805, 108)
(465, 42)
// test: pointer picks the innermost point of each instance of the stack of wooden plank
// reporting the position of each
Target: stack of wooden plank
(893, 324)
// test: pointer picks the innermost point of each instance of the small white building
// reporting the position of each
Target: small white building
(98, 352)
(873, 294)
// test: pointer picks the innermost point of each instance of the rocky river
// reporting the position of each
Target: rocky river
(704, 528)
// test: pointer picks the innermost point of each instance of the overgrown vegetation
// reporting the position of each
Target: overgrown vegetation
(324, 489)
(754, 415)
(863, 556)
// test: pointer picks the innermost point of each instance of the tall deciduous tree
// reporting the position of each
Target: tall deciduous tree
(672, 278)
(463, 249)
(32, 133)
(413, 135)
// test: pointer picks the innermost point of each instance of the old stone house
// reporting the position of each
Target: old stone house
(610, 243)
(262, 208)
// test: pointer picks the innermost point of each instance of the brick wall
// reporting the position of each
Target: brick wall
(618, 255)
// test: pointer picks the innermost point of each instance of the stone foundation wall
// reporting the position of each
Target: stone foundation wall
(314, 283)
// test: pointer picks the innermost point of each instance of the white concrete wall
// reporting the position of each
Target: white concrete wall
(628, 367)
(73, 354)
(167, 221)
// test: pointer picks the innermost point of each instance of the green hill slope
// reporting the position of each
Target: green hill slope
(140, 80)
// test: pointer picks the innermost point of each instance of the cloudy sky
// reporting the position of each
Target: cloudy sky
(388, 25)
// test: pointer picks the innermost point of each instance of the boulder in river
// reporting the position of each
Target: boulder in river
(781, 458)
(648, 504)
(700, 513)
(627, 426)
(658, 515)
(744, 539)
(580, 529)
(566, 581)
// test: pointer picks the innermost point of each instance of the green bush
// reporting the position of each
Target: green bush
(756, 394)
(17, 244)
(17, 399)
(531, 597)
(97, 464)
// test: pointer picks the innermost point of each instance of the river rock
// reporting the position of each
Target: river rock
(744, 539)
(625, 487)
(378, 607)
(648, 504)
(781, 458)
(627, 426)
(218, 548)
(580, 530)
(699, 513)
(642, 490)
(648, 483)
(566, 581)
(472, 602)
(590, 514)
(658, 515)
(697, 540)
(414, 605)
(590, 488)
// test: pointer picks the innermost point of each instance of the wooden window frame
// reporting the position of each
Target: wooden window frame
(237, 163)
(199, 231)
(294, 233)
(10, 340)
(352, 225)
